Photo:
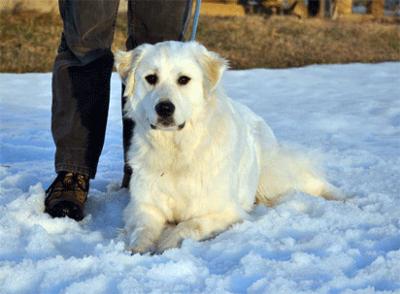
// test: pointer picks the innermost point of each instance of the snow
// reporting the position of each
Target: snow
(348, 116)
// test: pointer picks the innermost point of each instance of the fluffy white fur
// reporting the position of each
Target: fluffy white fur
(197, 181)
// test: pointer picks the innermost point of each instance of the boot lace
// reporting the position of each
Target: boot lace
(68, 181)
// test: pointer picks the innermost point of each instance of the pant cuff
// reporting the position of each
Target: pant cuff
(60, 167)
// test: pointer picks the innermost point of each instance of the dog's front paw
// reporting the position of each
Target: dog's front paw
(173, 238)
(169, 242)
(141, 243)
(142, 249)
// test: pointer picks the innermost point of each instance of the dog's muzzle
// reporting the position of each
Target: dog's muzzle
(165, 111)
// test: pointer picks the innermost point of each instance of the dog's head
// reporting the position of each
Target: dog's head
(169, 83)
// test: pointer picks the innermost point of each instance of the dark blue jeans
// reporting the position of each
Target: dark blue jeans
(83, 66)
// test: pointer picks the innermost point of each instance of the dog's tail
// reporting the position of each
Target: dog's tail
(285, 171)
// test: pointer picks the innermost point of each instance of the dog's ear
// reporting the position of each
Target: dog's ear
(126, 63)
(213, 66)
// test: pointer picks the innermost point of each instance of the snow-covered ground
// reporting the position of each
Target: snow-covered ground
(346, 115)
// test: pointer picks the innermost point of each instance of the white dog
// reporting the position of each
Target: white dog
(200, 160)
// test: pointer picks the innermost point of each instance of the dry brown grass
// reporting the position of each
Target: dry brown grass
(287, 42)
(29, 41)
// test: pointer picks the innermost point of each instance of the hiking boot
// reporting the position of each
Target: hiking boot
(67, 195)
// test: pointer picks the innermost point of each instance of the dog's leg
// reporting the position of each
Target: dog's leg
(198, 228)
(317, 186)
(285, 171)
(148, 223)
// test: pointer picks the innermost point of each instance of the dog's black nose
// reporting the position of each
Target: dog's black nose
(165, 108)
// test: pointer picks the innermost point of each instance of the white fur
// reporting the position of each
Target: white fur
(197, 181)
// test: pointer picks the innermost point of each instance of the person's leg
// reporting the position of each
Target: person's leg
(81, 86)
(151, 21)
(81, 83)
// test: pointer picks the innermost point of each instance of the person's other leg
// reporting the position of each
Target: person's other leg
(81, 86)
(151, 21)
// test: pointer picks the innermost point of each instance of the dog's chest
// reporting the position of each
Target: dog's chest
(192, 175)
(193, 192)
(184, 184)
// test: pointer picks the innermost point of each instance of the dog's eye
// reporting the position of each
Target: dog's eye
(152, 79)
(183, 80)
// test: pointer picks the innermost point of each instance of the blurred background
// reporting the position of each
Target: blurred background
(250, 33)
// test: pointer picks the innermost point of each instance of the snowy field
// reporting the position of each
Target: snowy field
(348, 116)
